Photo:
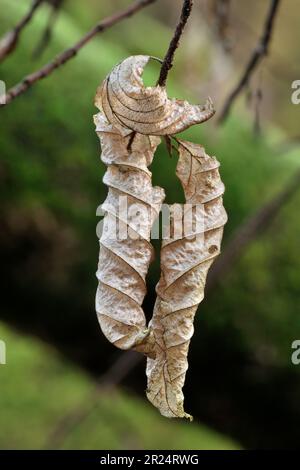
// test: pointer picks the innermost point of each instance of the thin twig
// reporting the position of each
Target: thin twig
(260, 51)
(130, 141)
(9, 42)
(249, 231)
(46, 37)
(221, 10)
(169, 57)
(68, 54)
(125, 363)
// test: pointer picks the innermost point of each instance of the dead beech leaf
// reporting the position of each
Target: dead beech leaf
(125, 257)
(128, 104)
(185, 261)
(130, 121)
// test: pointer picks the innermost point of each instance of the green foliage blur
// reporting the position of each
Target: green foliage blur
(241, 381)
(38, 388)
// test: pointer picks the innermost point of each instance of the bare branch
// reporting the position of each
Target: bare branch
(56, 6)
(249, 231)
(125, 363)
(260, 51)
(68, 54)
(221, 10)
(169, 57)
(9, 42)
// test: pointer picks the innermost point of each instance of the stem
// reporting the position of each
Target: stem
(169, 57)
(257, 55)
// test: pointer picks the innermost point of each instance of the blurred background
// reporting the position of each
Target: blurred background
(64, 385)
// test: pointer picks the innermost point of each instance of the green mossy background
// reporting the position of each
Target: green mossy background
(41, 387)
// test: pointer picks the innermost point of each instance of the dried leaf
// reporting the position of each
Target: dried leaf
(131, 116)
(184, 263)
(124, 257)
(129, 105)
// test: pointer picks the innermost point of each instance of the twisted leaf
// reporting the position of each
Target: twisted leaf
(125, 249)
(131, 116)
(184, 263)
(129, 105)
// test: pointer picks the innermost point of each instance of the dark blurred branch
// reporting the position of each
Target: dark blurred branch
(68, 54)
(257, 105)
(126, 362)
(221, 11)
(47, 34)
(249, 231)
(260, 51)
(9, 42)
(169, 57)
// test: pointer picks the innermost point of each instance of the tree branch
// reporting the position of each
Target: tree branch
(249, 231)
(169, 57)
(221, 10)
(124, 364)
(260, 51)
(68, 54)
(9, 42)
(46, 37)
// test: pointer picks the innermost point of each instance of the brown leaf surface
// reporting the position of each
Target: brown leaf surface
(131, 116)
(123, 263)
(184, 263)
(128, 104)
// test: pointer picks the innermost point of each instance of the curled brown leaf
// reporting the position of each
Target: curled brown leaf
(131, 118)
(125, 257)
(128, 104)
(185, 261)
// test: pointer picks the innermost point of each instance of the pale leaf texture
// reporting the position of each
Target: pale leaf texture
(185, 262)
(130, 121)
(128, 104)
(125, 256)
